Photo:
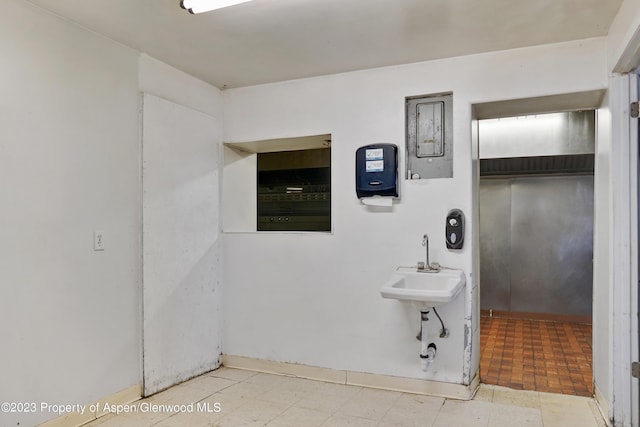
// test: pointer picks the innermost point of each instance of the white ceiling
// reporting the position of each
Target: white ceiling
(273, 40)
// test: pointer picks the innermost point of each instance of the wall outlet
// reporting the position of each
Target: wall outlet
(98, 240)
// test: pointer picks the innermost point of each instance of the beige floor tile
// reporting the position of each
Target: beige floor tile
(484, 393)
(301, 385)
(563, 410)
(419, 418)
(323, 402)
(209, 383)
(191, 420)
(139, 419)
(413, 410)
(527, 399)
(245, 390)
(253, 412)
(462, 420)
(567, 416)
(509, 416)
(466, 407)
(100, 421)
(348, 421)
(300, 417)
(370, 404)
(232, 374)
(463, 413)
(283, 395)
(180, 394)
(561, 419)
(269, 380)
(405, 422)
(554, 398)
(365, 409)
(341, 390)
(235, 420)
(254, 399)
(410, 401)
(562, 404)
(227, 403)
(234, 397)
(119, 421)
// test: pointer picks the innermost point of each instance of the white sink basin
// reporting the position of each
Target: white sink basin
(424, 289)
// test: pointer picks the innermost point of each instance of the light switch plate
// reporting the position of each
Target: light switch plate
(98, 240)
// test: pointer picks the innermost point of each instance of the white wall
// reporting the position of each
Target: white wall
(160, 79)
(239, 190)
(70, 317)
(314, 298)
(602, 256)
(182, 280)
(622, 31)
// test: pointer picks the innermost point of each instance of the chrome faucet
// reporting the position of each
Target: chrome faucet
(427, 268)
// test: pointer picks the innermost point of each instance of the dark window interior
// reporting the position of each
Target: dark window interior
(294, 190)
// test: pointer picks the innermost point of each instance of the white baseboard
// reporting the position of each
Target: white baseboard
(387, 382)
(123, 397)
(603, 404)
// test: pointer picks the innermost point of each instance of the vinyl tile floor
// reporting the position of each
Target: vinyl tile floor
(536, 355)
(232, 397)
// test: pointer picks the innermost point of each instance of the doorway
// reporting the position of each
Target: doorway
(536, 193)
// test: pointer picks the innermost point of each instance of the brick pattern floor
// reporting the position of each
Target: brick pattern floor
(536, 355)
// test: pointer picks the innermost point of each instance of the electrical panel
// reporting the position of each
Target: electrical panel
(429, 137)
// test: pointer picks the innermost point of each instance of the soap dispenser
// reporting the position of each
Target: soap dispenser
(454, 229)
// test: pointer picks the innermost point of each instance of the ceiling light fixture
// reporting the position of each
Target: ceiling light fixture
(199, 6)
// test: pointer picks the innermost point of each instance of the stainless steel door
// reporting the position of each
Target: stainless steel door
(536, 242)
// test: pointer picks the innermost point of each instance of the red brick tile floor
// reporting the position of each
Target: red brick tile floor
(537, 355)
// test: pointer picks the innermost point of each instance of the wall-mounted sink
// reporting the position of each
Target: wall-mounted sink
(424, 290)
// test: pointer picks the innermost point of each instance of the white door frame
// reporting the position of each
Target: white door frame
(625, 251)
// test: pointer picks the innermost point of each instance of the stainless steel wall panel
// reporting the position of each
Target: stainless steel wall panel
(552, 134)
(550, 244)
(495, 244)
